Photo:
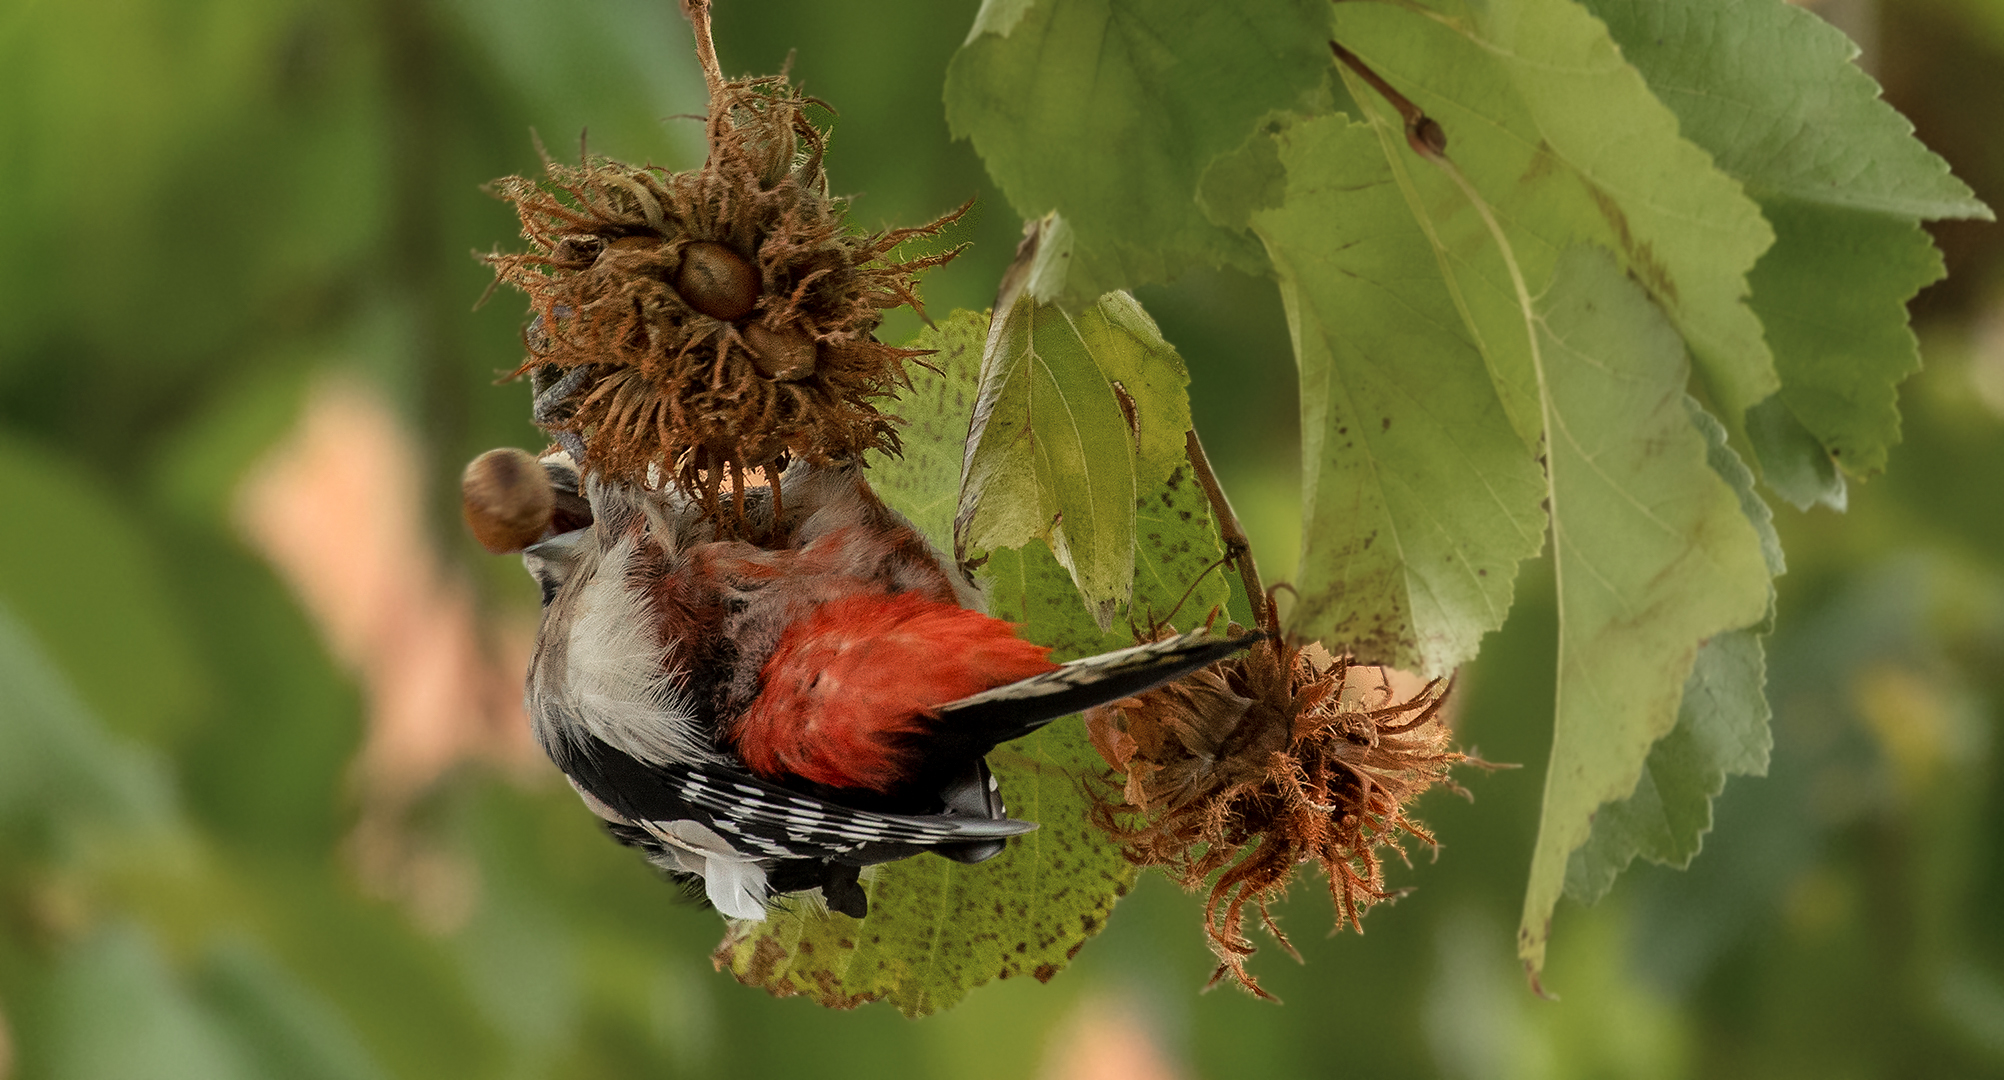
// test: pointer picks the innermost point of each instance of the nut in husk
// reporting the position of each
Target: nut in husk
(716, 281)
(1261, 762)
(727, 313)
(786, 354)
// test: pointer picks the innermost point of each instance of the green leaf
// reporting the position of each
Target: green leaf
(1722, 731)
(276, 1021)
(922, 481)
(1833, 295)
(1722, 727)
(1792, 461)
(118, 1010)
(1565, 141)
(1419, 499)
(936, 928)
(1654, 553)
(999, 17)
(1771, 91)
(618, 66)
(1107, 111)
(1077, 415)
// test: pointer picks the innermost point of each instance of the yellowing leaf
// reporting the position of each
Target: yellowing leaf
(1654, 553)
(1419, 499)
(1564, 139)
(1722, 727)
(1077, 416)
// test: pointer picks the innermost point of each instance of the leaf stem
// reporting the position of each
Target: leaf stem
(1423, 133)
(1238, 550)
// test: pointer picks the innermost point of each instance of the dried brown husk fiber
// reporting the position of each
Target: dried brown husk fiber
(1264, 761)
(676, 393)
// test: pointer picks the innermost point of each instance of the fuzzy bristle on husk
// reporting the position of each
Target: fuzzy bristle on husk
(1264, 761)
(681, 394)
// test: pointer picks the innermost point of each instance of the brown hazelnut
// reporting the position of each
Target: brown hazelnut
(717, 281)
(787, 354)
(507, 499)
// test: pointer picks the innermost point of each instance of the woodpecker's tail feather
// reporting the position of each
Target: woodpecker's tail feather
(1013, 711)
(975, 794)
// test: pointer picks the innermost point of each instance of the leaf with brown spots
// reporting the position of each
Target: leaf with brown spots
(937, 929)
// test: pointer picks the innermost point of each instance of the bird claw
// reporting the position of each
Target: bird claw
(554, 393)
(555, 401)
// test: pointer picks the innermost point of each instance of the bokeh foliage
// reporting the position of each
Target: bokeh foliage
(212, 204)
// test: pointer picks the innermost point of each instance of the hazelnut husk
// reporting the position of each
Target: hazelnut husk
(1238, 773)
(728, 313)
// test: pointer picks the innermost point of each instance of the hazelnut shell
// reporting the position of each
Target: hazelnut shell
(784, 355)
(507, 499)
(717, 281)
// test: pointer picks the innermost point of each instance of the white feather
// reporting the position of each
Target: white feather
(735, 884)
(737, 889)
(614, 672)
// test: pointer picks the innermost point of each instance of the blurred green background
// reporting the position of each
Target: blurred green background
(266, 809)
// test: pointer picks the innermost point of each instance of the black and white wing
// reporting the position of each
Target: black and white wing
(748, 838)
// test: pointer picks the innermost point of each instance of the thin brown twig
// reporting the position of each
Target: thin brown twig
(1423, 134)
(1237, 548)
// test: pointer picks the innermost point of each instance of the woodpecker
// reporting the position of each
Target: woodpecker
(773, 717)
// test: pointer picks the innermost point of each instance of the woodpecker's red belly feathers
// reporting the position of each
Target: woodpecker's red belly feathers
(856, 683)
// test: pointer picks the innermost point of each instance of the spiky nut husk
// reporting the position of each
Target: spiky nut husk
(1264, 761)
(729, 309)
